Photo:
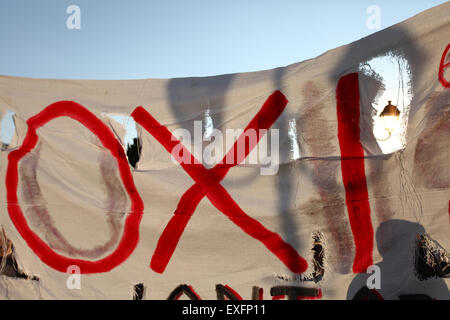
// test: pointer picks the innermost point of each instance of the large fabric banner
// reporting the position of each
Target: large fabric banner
(280, 184)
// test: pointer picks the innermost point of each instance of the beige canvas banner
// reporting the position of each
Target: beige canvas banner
(325, 200)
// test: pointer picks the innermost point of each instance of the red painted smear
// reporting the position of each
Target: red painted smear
(130, 235)
(208, 184)
(237, 295)
(380, 297)
(178, 296)
(377, 294)
(353, 172)
(278, 297)
(443, 66)
(194, 292)
(260, 294)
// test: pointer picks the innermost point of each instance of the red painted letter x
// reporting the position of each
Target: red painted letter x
(207, 183)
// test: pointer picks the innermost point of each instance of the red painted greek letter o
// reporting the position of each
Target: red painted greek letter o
(130, 234)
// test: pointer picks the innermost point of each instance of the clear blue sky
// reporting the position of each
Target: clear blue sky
(131, 39)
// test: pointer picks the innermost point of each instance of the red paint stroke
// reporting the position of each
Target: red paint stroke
(237, 295)
(260, 294)
(379, 296)
(207, 183)
(353, 172)
(443, 66)
(184, 289)
(367, 294)
(130, 235)
(278, 297)
(194, 292)
(178, 296)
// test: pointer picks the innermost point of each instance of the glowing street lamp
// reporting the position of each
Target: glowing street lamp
(389, 116)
